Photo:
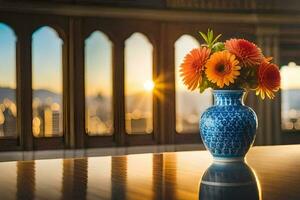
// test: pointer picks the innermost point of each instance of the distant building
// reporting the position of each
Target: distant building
(56, 123)
(10, 123)
(49, 121)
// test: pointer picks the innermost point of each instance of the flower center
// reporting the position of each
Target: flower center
(220, 68)
(223, 69)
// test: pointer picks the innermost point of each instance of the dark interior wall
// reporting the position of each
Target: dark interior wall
(257, 6)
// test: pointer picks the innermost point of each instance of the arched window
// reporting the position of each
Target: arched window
(47, 104)
(187, 117)
(98, 84)
(8, 108)
(290, 107)
(138, 84)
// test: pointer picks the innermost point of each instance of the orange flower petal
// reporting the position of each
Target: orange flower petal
(222, 69)
(193, 66)
(268, 80)
(246, 52)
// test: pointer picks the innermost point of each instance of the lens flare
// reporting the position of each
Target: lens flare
(149, 85)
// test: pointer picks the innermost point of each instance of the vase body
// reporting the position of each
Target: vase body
(228, 128)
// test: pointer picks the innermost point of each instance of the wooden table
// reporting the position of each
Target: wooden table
(271, 173)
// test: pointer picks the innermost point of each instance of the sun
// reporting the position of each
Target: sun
(149, 85)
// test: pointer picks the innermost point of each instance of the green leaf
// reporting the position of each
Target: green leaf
(205, 84)
(219, 46)
(203, 36)
(216, 39)
(211, 36)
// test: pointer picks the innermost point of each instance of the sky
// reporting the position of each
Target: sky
(138, 63)
(290, 76)
(47, 60)
(98, 64)
(138, 54)
(7, 57)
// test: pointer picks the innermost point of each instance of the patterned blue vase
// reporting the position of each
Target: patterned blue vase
(228, 128)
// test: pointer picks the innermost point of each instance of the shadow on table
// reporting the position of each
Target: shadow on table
(229, 181)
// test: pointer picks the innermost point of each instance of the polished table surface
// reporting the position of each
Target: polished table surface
(271, 172)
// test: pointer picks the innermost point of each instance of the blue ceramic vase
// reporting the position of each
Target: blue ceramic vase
(228, 128)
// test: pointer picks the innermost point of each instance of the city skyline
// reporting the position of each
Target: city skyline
(188, 121)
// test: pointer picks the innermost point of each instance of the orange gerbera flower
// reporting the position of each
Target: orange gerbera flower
(192, 67)
(246, 52)
(268, 79)
(222, 68)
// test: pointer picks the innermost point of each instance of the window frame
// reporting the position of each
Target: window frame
(119, 136)
(175, 31)
(13, 143)
(147, 38)
(148, 29)
(112, 107)
(191, 34)
(89, 27)
(60, 25)
(286, 132)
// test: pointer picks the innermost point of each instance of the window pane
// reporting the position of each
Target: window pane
(290, 107)
(138, 84)
(8, 108)
(47, 83)
(187, 117)
(98, 85)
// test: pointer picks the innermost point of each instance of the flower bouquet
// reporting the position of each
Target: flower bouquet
(230, 68)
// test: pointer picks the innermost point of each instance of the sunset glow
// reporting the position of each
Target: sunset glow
(290, 76)
(149, 85)
(138, 84)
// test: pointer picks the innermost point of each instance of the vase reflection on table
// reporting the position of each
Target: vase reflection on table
(229, 181)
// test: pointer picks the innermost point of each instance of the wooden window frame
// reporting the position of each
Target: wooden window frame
(175, 31)
(288, 37)
(190, 137)
(60, 25)
(119, 137)
(14, 143)
(89, 26)
(288, 136)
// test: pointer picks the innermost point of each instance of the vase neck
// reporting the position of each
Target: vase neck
(228, 97)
